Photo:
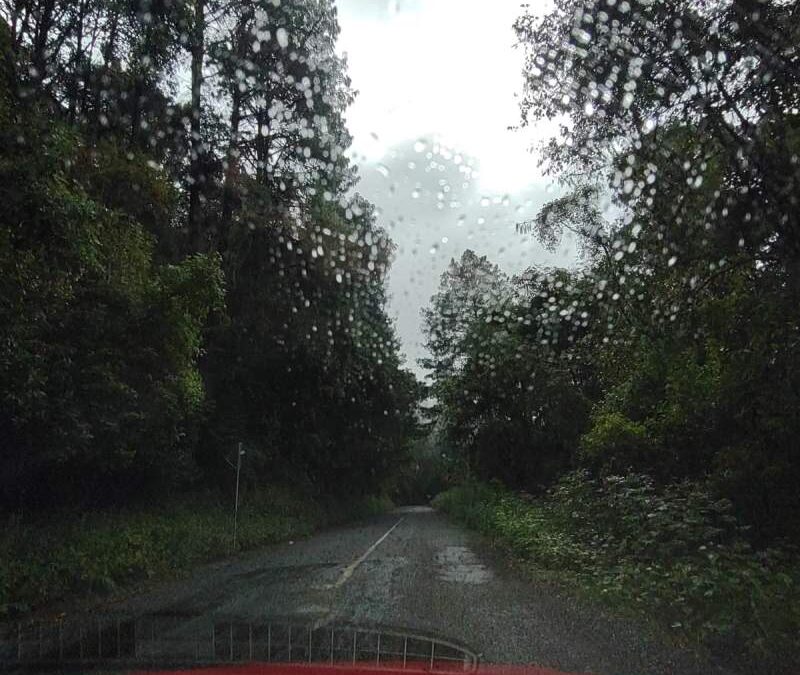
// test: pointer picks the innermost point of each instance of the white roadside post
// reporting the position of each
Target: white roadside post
(239, 455)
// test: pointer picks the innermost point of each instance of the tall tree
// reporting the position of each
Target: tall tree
(196, 176)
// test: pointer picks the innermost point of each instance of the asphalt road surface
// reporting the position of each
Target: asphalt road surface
(415, 570)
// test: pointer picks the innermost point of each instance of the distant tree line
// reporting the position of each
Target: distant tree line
(183, 262)
(673, 349)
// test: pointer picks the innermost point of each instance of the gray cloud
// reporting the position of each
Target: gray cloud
(447, 67)
(433, 207)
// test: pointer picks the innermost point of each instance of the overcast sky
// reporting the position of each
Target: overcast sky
(438, 82)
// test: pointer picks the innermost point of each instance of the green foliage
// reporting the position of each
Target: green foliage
(424, 474)
(102, 551)
(678, 334)
(506, 383)
(368, 506)
(98, 552)
(100, 347)
(471, 503)
(672, 350)
(615, 443)
(178, 278)
(692, 292)
(675, 554)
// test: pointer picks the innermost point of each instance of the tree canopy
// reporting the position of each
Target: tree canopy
(671, 349)
(184, 261)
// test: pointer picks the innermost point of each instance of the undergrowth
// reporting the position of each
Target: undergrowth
(98, 552)
(676, 555)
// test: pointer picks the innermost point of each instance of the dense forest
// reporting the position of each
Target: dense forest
(184, 261)
(187, 267)
(671, 351)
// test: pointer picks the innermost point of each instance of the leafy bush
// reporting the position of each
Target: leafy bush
(424, 474)
(98, 552)
(471, 503)
(371, 505)
(677, 554)
(615, 443)
(100, 388)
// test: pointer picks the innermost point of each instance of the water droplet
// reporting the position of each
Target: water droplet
(627, 100)
(581, 35)
(283, 37)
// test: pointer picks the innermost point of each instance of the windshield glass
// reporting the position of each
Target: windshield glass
(422, 334)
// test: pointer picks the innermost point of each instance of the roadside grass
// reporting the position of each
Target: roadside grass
(96, 553)
(676, 556)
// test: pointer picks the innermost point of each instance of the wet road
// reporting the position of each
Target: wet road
(414, 569)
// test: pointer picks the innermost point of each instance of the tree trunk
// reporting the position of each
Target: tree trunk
(110, 47)
(232, 169)
(39, 49)
(196, 141)
(79, 68)
(262, 147)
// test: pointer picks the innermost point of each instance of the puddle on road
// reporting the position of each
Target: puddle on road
(459, 564)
